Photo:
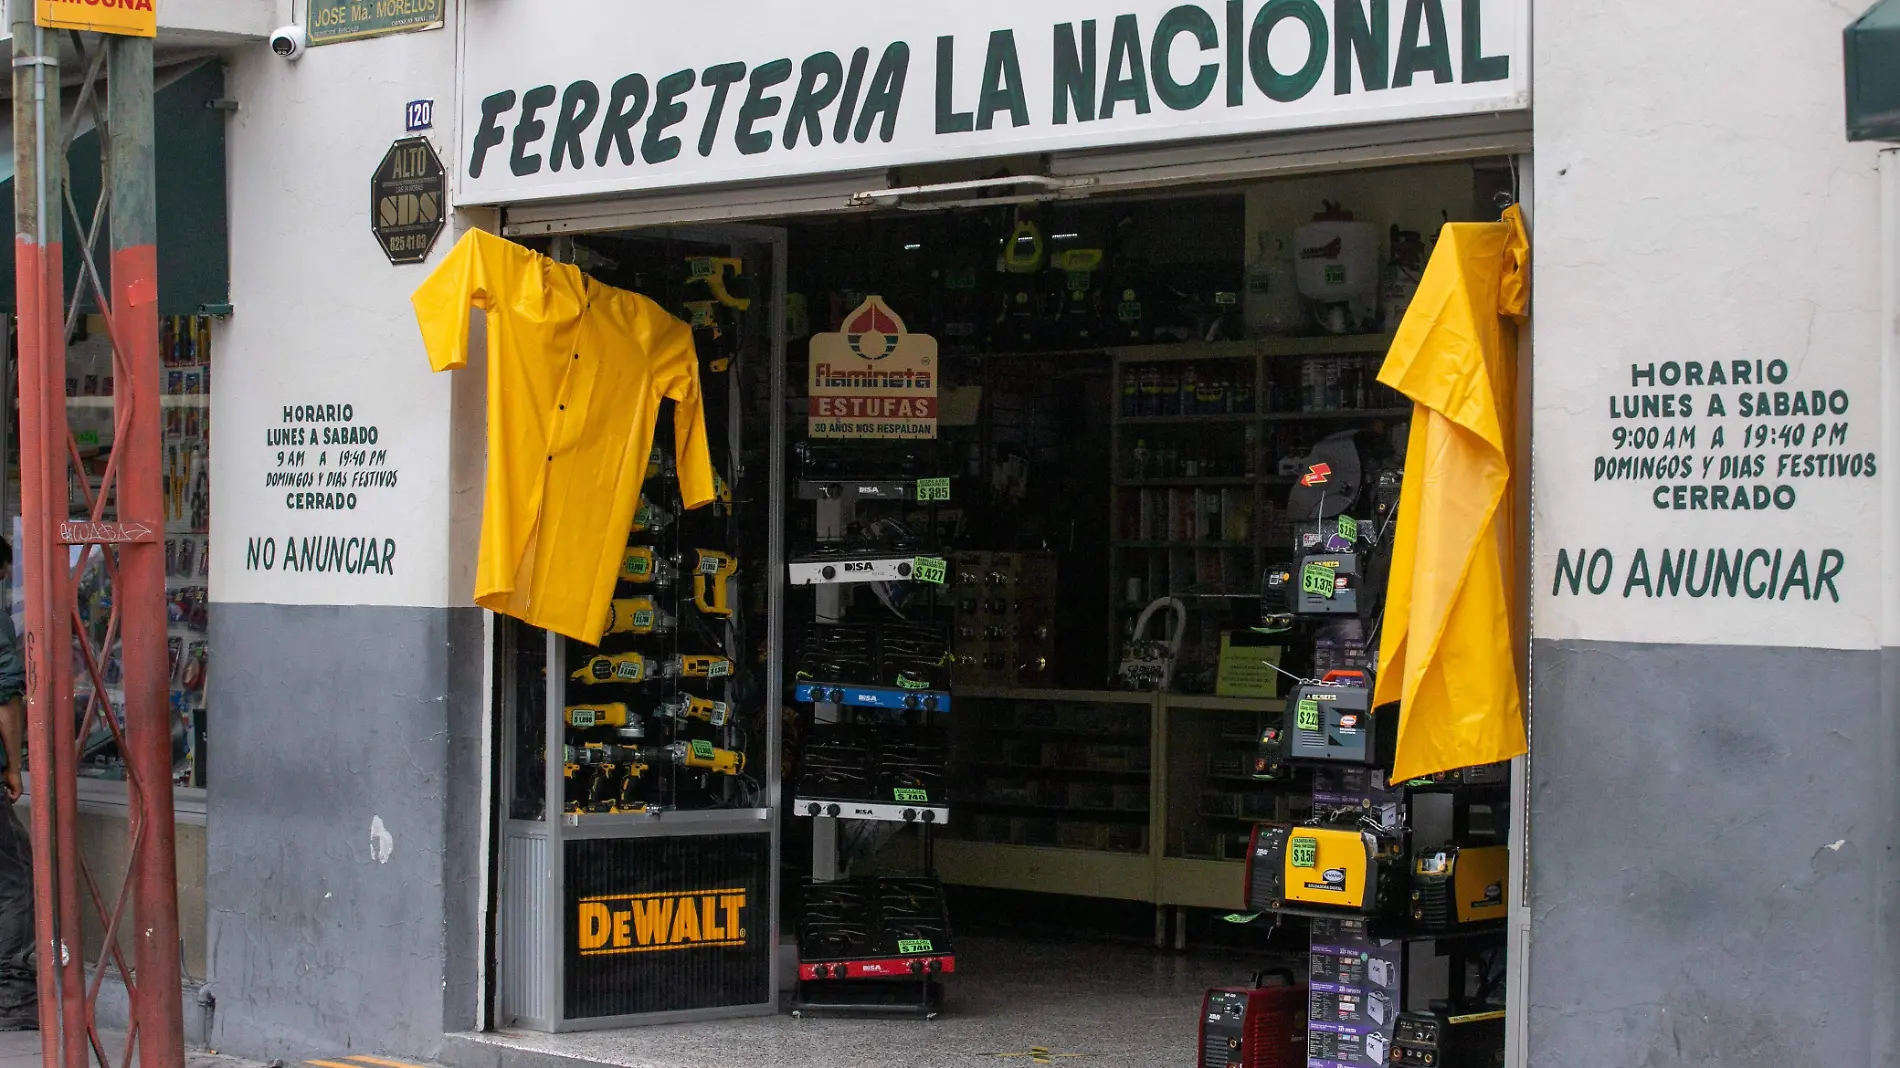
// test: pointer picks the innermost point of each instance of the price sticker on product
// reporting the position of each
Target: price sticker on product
(933, 489)
(701, 749)
(1306, 714)
(928, 569)
(1318, 580)
(1304, 852)
(1348, 528)
(910, 795)
(719, 669)
(913, 945)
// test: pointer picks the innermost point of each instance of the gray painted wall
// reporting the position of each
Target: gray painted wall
(321, 938)
(1713, 864)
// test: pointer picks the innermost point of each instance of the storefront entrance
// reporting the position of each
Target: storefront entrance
(1125, 391)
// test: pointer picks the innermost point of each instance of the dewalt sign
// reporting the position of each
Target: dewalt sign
(648, 923)
(130, 18)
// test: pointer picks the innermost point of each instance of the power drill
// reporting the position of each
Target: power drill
(685, 706)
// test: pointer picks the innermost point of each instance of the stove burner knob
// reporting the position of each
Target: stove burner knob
(833, 811)
(930, 815)
(935, 966)
(813, 809)
(910, 701)
(837, 697)
(830, 491)
(916, 967)
(910, 815)
(829, 572)
(930, 704)
(903, 570)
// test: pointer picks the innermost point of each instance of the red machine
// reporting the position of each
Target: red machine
(1257, 1027)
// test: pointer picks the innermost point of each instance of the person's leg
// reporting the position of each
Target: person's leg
(19, 979)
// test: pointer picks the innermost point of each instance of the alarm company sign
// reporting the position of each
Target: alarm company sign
(408, 197)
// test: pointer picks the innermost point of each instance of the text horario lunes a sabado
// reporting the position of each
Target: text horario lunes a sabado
(323, 460)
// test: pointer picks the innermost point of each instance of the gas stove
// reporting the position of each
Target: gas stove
(874, 929)
(893, 774)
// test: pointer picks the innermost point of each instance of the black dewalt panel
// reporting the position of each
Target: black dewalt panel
(669, 923)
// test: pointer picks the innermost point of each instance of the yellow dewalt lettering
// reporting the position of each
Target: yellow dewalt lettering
(622, 936)
(651, 919)
(732, 903)
(593, 925)
(709, 928)
(685, 922)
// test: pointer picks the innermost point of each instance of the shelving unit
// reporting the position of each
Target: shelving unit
(984, 850)
(1180, 529)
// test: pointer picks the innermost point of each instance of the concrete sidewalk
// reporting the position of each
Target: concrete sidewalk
(21, 1049)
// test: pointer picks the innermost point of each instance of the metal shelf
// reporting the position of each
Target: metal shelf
(1336, 413)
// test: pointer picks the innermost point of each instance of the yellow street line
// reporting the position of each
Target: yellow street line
(367, 1059)
(330, 1064)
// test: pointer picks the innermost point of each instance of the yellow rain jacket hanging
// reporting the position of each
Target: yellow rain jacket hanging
(1453, 609)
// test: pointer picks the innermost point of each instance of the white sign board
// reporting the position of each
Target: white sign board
(599, 96)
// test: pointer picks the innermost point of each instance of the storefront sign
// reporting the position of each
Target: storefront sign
(330, 21)
(407, 197)
(603, 97)
(130, 18)
(873, 379)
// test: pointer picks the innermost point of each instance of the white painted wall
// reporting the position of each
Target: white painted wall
(1697, 200)
(322, 318)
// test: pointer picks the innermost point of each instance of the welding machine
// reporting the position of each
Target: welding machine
(1350, 870)
(1442, 1040)
(1333, 722)
(1458, 885)
(1254, 1027)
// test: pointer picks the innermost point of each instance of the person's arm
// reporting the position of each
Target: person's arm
(12, 728)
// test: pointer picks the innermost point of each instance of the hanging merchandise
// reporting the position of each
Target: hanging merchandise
(1147, 663)
(1337, 267)
(1452, 613)
(576, 374)
(1402, 273)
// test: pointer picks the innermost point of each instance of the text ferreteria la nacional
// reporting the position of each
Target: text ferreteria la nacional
(321, 459)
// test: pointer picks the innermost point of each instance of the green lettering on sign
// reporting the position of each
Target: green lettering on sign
(910, 795)
(1348, 528)
(581, 718)
(1304, 852)
(1317, 579)
(637, 565)
(1306, 715)
(913, 945)
(643, 620)
(928, 569)
(330, 21)
(933, 489)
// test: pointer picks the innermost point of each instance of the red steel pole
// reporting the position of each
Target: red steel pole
(39, 290)
(141, 583)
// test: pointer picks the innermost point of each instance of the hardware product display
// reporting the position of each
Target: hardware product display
(614, 668)
(1448, 1040)
(1005, 615)
(1345, 870)
(874, 929)
(1254, 1027)
(644, 567)
(886, 664)
(637, 615)
(1457, 886)
(840, 564)
(712, 588)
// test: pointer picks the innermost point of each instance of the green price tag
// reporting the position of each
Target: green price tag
(643, 620)
(1317, 579)
(637, 565)
(701, 749)
(1348, 528)
(933, 489)
(928, 569)
(913, 945)
(910, 795)
(581, 718)
(1241, 917)
(1304, 852)
(719, 670)
(1306, 714)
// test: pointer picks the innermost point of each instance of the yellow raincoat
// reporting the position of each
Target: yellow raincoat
(1449, 652)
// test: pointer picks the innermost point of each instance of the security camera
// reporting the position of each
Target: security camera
(288, 42)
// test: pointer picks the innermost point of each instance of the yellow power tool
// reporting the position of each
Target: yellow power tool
(712, 593)
(648, 516)
(643, 566)
(609, 714)
(616, 667)
(685, 706)
(637, 615)
(703, 755)
(712, 271)
(700, 666)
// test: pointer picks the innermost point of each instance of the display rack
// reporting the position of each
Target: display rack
(874, 753)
